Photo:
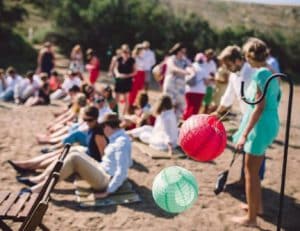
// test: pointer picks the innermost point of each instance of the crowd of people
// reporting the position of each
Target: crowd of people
(103, 119)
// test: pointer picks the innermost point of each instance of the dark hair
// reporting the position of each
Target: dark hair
(142, 99)
(54, 72)
(164, 103)
(111, 120)
(11, 70)
(29, 74)
(1, 71)
(109, 90)
(176, 48)
(74, 89)
(87, 89)
(91, 111)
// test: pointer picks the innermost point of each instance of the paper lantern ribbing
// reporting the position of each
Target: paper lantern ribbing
(175, 189)
(202, 137)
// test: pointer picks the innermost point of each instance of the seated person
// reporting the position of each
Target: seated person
(43, 97)
(12, 79)
(2, 81)
(71, 80)
(96, 142)
(106, 176)
(141, 113)
(107, 93)
(54, 81)
(163, 135)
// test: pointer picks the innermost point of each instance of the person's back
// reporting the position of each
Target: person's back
(117, 159)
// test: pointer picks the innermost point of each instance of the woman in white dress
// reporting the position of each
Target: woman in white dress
(164, 134)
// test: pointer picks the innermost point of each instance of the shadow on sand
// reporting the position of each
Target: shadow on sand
(291, 210)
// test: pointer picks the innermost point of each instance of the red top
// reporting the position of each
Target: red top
(54, 83)
(94, 68)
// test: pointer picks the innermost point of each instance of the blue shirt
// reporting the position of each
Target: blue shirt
(117, 159)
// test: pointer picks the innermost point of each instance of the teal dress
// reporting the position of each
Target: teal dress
(266, 128)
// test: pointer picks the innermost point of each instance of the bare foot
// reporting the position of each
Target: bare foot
(43, 139)
(246, 207)
(244, 221)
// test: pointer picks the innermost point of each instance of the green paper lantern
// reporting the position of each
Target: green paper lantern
(175, 189)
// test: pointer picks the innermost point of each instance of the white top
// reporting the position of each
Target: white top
(148, 59)
(273, 63)
(201, 75)
(140, 64)
(210, 67)
(233, 89)
(69, 83)
(104, 111)
(165, 128)
(12, 82)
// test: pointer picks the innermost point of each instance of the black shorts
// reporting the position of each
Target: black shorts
(123, 85)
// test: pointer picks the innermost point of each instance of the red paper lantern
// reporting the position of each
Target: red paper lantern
(202, 137)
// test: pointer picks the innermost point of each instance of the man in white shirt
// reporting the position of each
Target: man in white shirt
(149, 61)
(26, 87)
(12, 80)
(240, 71)
(273, 63)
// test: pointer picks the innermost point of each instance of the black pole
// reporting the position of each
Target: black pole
(287, 132)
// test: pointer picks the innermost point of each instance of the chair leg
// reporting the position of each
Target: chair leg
(44, 227)
(4, 226)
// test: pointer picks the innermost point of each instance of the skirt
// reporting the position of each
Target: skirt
(123, 85)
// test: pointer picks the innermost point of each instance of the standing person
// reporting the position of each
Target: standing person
(273, 63)
(76, 59)
(240, 70)
(211, 69)
(260, 117)
(138, 81)
(125, 69)
(11, 81)
(46, 59)
(194, 94)
(174, 83)
(93, 66)
(149, 61)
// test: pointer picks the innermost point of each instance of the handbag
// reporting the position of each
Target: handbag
(222, 177)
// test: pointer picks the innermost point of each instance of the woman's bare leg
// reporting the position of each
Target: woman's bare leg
(253, 190)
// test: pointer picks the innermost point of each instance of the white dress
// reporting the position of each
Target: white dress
(163, 132)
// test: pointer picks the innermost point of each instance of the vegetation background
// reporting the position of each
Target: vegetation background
(104, 25)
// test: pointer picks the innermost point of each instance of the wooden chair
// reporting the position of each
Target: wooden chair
(30, 208)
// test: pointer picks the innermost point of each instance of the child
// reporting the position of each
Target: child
(258, 128)
(163, 135)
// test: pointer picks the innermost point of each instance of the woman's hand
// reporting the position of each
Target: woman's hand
(240, 144)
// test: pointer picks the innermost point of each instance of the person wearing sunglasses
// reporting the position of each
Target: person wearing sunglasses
(106, 176)
(96, 142)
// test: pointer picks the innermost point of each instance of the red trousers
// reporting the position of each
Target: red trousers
(193, 104)
(138, 83)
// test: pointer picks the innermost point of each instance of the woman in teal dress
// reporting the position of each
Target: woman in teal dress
(259, 127)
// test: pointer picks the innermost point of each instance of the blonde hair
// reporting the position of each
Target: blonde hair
(256, 50)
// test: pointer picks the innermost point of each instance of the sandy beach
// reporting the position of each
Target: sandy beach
(18, 126)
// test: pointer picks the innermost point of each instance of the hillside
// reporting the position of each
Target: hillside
(222, 14)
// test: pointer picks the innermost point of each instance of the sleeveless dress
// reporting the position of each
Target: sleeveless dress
(266, 128)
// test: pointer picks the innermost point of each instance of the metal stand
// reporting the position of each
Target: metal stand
(287, 132)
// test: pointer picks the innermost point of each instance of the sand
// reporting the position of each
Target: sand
(18, 126)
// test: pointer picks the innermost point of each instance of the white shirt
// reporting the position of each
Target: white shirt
(69, 83)
(233, 89)
(273, 63)
(140, 64)
(210, 67)
(104, 111)
(148, 59)
(12, 82)
(165, 129)
(201, 75)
